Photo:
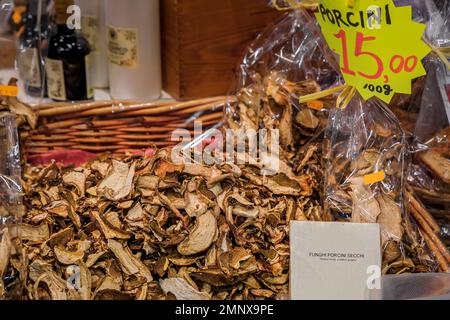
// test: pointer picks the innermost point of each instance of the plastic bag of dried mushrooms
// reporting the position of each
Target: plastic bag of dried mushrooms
(365, 181)
(284, 63)
(11, 209)
(366, 149)
(426, 115)
(429, 171)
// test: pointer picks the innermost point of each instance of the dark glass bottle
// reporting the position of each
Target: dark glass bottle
(67, 60)
(33, 41)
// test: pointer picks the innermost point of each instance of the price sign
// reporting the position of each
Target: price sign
(379, 45)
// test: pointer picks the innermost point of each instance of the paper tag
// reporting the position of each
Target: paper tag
(374, 177)
(9, 91)
(379, 45)
(55, 79)
(123, 46)
(334, 260)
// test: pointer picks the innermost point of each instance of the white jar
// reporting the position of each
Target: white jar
(93, 27)
(133, 40)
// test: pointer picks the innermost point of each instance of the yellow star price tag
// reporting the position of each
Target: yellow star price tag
(379, 45)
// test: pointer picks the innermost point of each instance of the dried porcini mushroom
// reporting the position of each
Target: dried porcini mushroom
(366, 208)
(59, 208)
(118, 182)
(24, 112)
(307, 119)
(390, 220)
(5, 254)
(76, 179)
(129, 263)
(74, 254)
(201, 236)
(182, 289)
(34, 234)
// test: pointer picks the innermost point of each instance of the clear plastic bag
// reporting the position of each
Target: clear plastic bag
(287, 61)
(10, 207)
(365, 150)
(429, 171)
(426, 115)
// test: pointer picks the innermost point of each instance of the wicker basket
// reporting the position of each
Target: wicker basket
(117, 126)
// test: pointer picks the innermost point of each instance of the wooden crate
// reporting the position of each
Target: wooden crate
(204, 40)
(7, 53)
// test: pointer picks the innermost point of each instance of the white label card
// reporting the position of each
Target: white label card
(334, 260)
(55, 79)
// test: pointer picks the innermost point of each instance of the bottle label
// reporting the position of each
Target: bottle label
(29, 71)
(123, 46)
(88, 66)
(55, 79)
(89, 27)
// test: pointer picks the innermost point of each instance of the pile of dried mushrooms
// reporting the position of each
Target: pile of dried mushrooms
(147, 228)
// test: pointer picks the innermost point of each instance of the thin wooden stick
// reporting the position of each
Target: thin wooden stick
(171, 109)
(84, 124)
(102, 133)
(209, 106)
(52, 131)
(56, 105)
(145, 144)
(96, 140)
(439, 257)
(160, 107)
(143, 129)
(203, 118)
(95, 148)
(423, 212)
(205, 124)
(53, 137)
(143, 136)
(64, 124)
(432, 196)
(160, 119)
(118, 108)
(427, 229)
(37, 150)
(211, 116)
(49, 144)
(116, 127)
(76, 107)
